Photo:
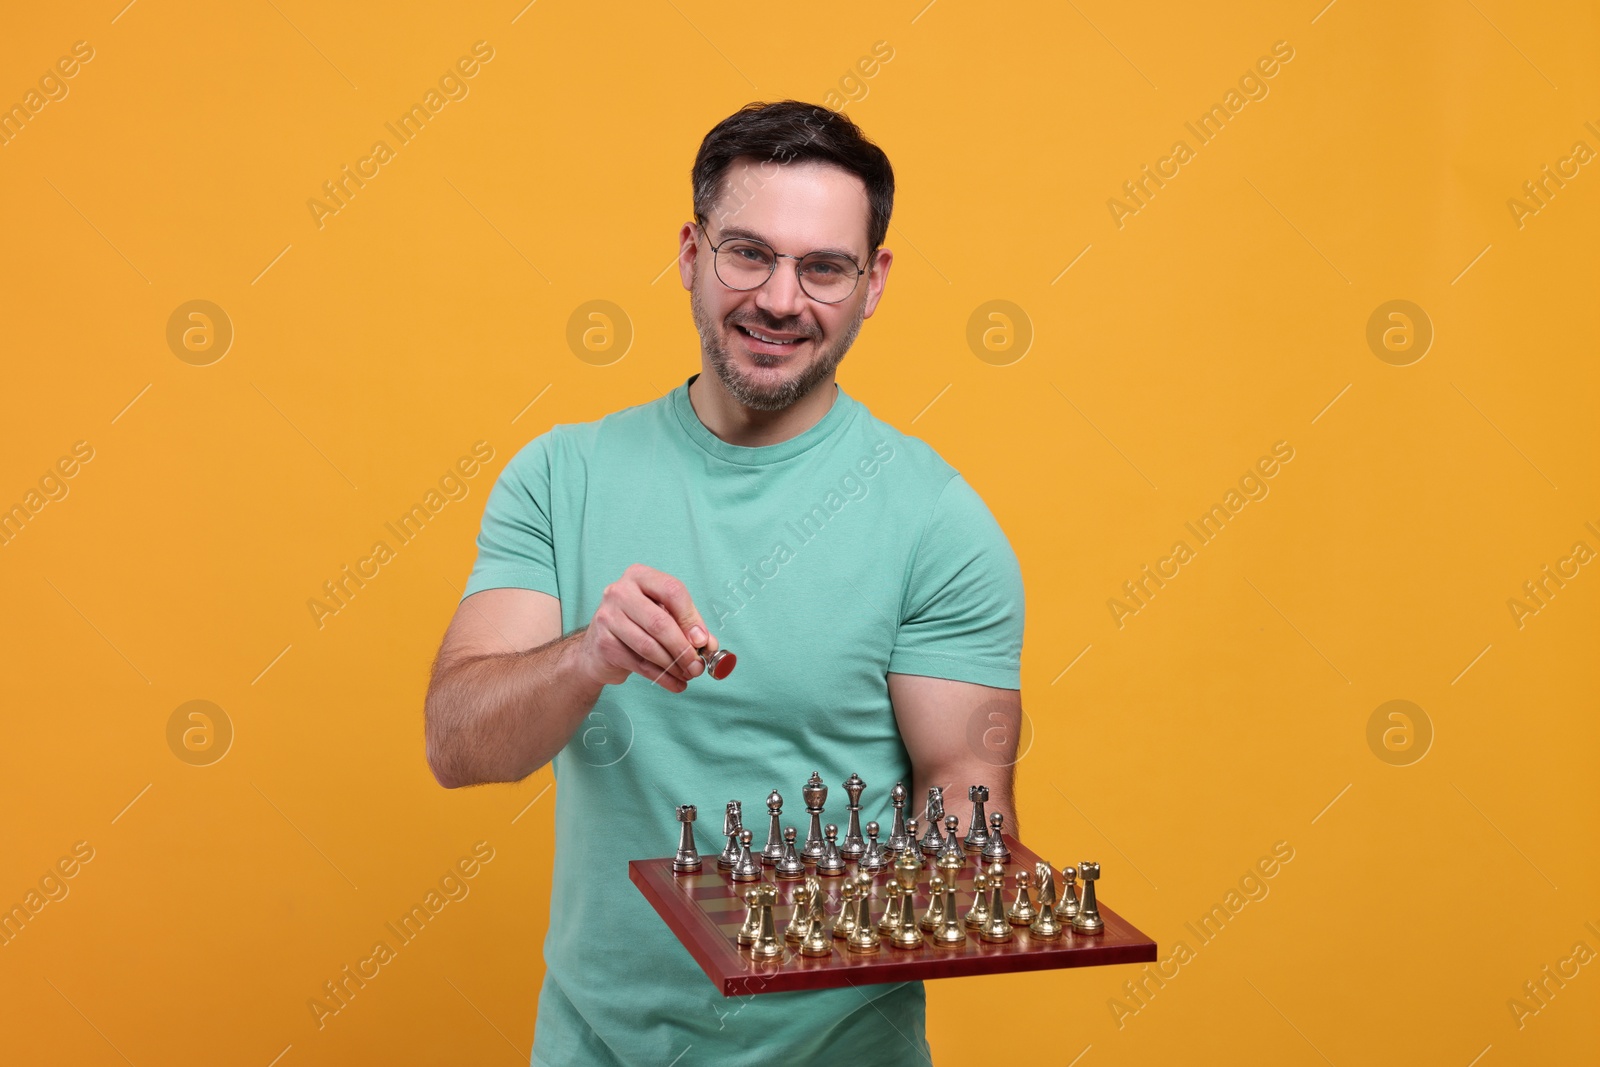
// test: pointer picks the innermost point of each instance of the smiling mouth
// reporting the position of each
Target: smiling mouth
(771, 341)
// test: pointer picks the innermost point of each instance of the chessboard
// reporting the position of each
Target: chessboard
(706, 910)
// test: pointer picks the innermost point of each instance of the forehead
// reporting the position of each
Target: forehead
(794, 206)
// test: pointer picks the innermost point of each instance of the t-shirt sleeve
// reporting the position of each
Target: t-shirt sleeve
(515, 547)
(961, 616)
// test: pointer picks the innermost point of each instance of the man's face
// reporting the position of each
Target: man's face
(796, 208)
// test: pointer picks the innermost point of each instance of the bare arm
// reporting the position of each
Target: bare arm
(959, 734)
(508, 690)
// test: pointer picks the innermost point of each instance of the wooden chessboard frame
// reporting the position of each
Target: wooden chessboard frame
(678, 898)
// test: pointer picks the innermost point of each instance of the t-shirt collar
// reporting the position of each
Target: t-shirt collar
(837, 415)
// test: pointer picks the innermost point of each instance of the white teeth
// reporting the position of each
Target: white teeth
(768, 340)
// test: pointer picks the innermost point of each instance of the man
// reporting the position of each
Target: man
(873, 603)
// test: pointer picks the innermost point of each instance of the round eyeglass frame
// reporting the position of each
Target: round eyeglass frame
(776, 255)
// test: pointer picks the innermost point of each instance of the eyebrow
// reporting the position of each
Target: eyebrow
(739, 231)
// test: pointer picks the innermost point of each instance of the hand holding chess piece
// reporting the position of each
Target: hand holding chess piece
(679, 647)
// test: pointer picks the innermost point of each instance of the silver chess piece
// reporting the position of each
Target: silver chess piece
(732, 823)
(996, 851)
(978, 825)
(773, 852)
(719, 664)
(1088, 920)
(950, 850)
(745, 868)
(816, 793)
(931, 841)
(831, 862)
(853, 846)
(874, 858)
(789, 867)
(898, 841)
(687, 860)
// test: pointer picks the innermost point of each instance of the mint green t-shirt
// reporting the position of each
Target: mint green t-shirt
(824, 562)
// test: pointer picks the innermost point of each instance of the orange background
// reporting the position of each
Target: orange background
(431, 312)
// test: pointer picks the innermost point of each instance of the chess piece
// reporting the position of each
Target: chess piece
(1045, 925)
(846, 922)
(897, 831)
(1069, 894)
(816, 793)
(752, 920)
(997, 928)
(978, 825)
(978, 914)
(773, 852)
(874, 858)
(931, 841)
(1088, 920)
(950, 931)
(745, 868)
(816, 943)
(687, 860)
(1022, 913)
(789, 865)
(719, 664)
(911, 844)
(890, 920)
(853, 846)
(732, 823)
(831, 863)
(995, 850)
(801, 916)
(767, 946)
(906, 867)
(951, 849)
(863, 935)
(933, 918)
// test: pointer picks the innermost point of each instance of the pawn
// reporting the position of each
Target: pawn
(994, 849)
(913, 847)
(891, 910)
(768, 946)
(1069, 894)
(1022, 913)
(746, 868)
(831, 863)
(845, 924)
(752, 921)
(950, 931)
(978, 914)
(951, 849)
(996, 928)
(790, 867)
(933, 918)
(796, 930)
(1088, 920)
(874, 858)
(864, 937)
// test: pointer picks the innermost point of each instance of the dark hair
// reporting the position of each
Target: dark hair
(791, 131)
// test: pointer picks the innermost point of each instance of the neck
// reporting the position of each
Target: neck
(736, 424)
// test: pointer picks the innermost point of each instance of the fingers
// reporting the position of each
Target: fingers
(651, 650)
(673, 596)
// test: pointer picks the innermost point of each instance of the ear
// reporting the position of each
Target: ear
(877, 277)
(688, 252)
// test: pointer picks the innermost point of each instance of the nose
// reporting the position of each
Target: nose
(781, 297)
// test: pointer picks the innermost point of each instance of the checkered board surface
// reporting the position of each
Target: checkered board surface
(705, 910)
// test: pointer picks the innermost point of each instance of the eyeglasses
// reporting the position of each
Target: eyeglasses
(744, 263)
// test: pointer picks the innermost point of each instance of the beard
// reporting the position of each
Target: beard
(751, 391)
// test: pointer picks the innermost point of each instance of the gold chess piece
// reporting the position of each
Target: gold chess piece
(864, 937)
(950, 931)
(1045, 925)
(1022, 913)
(906, 867)
(978, 914)
(768, 945)
(752, 921)
(1088, 920)
(933, 918)
(891, 910)
(1069, 893)
(816, 942)
(846, 922)
(796, 931)
(996, 928)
